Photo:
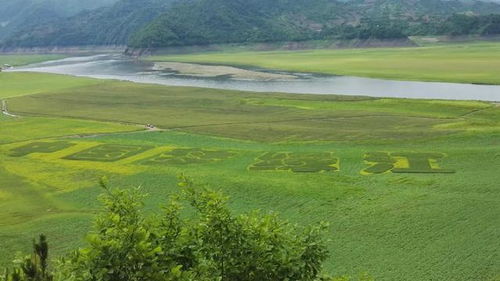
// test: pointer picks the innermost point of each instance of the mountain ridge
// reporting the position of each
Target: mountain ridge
(167, 23)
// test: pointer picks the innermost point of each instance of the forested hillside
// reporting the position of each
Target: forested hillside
(20, 14)
(163, 23)
(105, 26)
(224, 21)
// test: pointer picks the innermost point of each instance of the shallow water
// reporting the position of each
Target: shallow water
(124, 68)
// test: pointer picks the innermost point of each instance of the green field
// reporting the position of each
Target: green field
(409, 187)
(17, 60)
(477, 62)
(22, 83)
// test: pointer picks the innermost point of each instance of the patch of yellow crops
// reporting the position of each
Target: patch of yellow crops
(51, 172)
(401, 163)
(147, 154)
(47, 177)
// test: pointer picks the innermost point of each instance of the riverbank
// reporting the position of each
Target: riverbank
(19, 60)
(64, 50)
(117, 67)
(472, 62)
(275, 46)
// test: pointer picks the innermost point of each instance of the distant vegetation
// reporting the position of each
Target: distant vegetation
(163, 23)
(105, 26)
(222, 21)
(463, 24)
(20, 14)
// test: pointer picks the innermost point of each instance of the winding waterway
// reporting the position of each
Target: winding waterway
(125, 68)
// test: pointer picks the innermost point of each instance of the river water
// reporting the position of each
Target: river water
(124, 68)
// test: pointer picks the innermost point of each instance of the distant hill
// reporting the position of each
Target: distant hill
(224, 21)
(104, 26)
(19, 14)
(163, 23)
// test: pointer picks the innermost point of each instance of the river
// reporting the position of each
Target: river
(125, 68)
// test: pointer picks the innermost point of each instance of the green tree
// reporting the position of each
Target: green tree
(195, 237)
(34, 267)
(252, 247)
(122, 246)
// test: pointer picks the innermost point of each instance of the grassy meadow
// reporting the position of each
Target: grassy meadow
(23, 83)
(476, 62)
(409, 187)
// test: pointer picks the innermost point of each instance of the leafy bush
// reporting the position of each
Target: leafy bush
(200, 240)
(34, 267)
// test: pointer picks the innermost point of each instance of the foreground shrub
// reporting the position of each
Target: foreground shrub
(195, 237)
(34, 267)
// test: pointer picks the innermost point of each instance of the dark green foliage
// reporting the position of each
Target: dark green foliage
(211, 244)
(381, 28)
(20, 14)
(200, 22)
(250, 247)
(296, 162)
(108, 152)
(121, 247)
(105, 26)
(223, 21)
(461, 24)
(34, 267)
(188, 156)
(158, 23)
(39, 147)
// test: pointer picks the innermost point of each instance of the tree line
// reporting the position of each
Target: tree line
(165, 23)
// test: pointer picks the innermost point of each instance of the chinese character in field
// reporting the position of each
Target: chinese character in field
(185, 156)
(40, 147)
(410, 162)
(108, 153)
(296, 162)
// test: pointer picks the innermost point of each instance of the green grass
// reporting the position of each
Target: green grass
(296, 162)
(29, 128)
(39, 147)
(107, 153)
(18, 60)
(477, 62)
(317, 159)
(259, 117)
(22, 83)
(187, 156)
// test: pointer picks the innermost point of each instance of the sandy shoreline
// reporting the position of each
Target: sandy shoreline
(208, 71)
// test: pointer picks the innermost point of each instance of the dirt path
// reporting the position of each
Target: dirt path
(146, 128)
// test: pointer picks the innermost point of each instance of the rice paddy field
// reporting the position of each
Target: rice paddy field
(471, 62)
(409, 187)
